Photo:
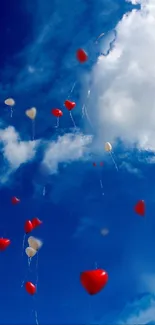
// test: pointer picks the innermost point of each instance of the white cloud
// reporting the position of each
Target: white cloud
(141, 311)
(15, 151)
(68, 148)
(123, 83)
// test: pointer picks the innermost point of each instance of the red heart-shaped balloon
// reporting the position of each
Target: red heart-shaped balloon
(69, 105)
(56, 112)
(36, 222)
(81, 55)
(15, 200)
(4, 243)
(30, 288)
(140, 208)
(94, 281)
(28, 227)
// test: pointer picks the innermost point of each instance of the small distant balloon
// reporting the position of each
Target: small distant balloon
(81, 56)
(108, 147)
(4, 243)
(31, 113)
(15, 200)
(56, 112)
(104, 232)
(9, 102)
(30, 288)
(69, 105)
(140, 208)
(101, 164)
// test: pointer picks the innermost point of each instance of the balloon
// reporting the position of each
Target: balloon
(30, 252)
(81, 55)
(28, 227)
(140, 208)
(104, 231)
(56, 112)
(36, 222)
(108, 147)
(94, 281)
(35, 243)
(9, 102)
(69, 105)
(31, 113)
(15, 200)
(4, 243)
(94, 164)
(30, 288)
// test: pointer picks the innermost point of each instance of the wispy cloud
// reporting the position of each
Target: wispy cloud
(130, 168)
(141, 311)
(68, 148)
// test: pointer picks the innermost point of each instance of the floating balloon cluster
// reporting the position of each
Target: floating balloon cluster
(93, 281)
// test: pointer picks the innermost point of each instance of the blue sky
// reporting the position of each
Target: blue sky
(38, 68)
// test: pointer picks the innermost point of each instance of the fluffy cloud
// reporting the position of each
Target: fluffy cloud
(15, 151)
(68, 148)
(123, 83)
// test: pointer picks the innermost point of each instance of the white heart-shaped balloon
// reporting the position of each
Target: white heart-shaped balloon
(31, 113)
(35, 243)
(9, 102)
(30, 252)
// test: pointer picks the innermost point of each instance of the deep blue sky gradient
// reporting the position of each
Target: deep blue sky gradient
(45, 35)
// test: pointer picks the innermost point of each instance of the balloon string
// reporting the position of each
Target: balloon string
(37, 278)
(35, 312)
(90, 313)
(96, 265)
(84, 105)
(29, 261)
(44, 191)
(24, 278)
(57, 125)
(72, 89)
(85, 112)
(71, 116)
(113, 161)
(101, 186)
(11, 111)
(88, 118)
(33, 129)
(36, 317)
(23, 244)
